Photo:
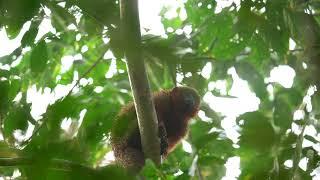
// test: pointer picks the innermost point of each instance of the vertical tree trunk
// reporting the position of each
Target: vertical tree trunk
(146, 114)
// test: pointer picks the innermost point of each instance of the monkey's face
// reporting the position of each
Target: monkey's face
(186, 100)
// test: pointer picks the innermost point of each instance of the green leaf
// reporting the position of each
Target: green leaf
(12, 57)
(39, 57)
(282, 114)
(257, 132)
(90, 26)
(253, 168)
(4, 96)
(212, 168)
(255, 79)
(13, 29)
(116, 42)
(150, 171)
(16, 13)
(96, 122)
(15, 85)
(60, 17)
(200, 129)
(17, 119)
(29, 37)
(113, 172)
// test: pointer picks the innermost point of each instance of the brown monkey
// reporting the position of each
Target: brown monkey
(174, 109)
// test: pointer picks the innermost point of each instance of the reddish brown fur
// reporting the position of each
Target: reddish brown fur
(174, 110)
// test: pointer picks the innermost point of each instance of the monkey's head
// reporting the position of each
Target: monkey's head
(186, 100)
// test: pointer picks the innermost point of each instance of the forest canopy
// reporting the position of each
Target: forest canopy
(255, 64)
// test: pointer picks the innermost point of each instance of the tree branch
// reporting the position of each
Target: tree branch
(61, 164)
(147, 118)
(298, 151)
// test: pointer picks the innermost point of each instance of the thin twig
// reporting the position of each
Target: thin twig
(86, 73)
(7, 162)
(34, 133)
(297, 50)
(201, 27)
(300, 138)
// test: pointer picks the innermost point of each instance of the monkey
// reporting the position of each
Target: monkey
(174, 110)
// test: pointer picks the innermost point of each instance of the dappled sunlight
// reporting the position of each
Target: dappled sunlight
(206, 70)
(22, 136)
(40, 101)
(66, 63)
(45, 26)
(231, 128)
(186, 146)
(303, 164)
(232, 168)
(221, 4)
(150, 19)
(292, 44)
(283, 74)
(107, 159)
(203, 116)
(243, 99)
(231, 106)
(193, 167)
(71, 126)
(288, 163)
(112, 69)
(8, 45)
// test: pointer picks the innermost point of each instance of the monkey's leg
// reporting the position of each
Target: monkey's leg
(131, 159)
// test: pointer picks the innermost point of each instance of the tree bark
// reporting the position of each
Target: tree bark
(146, 114)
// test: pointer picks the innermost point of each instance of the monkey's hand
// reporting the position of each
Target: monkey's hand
(163, 140)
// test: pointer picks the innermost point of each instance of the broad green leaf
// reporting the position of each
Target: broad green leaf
(17, 119)
(39, 57)
(61, 18)
(29, 37)
(150, 170)
(283, 114)
(16, 12)
(15, 86)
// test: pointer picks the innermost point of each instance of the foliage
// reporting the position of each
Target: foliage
(253, 37)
